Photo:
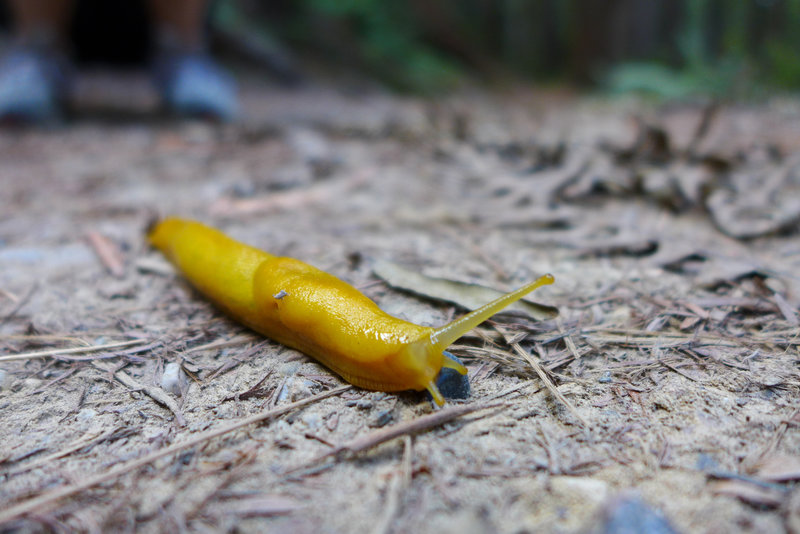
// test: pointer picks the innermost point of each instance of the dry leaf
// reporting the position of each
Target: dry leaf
(469, 296)
(779, 467)
(747, 492)
(762, 201)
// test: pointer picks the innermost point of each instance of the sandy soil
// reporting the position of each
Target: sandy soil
(673, 364)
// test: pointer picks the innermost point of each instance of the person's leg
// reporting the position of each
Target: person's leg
(36, 18)
(189, 80)
(182, 19)
(34, 73)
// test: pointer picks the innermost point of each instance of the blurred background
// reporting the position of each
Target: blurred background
(669, 48)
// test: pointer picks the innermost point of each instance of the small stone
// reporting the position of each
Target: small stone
(294, 389)
(383, 418)
(32, 383)
(87, 414)
(173, 378)
(630, 515)
(364, 404)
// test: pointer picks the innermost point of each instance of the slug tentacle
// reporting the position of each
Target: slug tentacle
(444, 336)
(452, 364)
(435, 393)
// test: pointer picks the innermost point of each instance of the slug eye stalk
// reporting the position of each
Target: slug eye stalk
(446, 335)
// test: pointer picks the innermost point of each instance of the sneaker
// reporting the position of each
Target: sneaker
(192, 84)
(33, 85)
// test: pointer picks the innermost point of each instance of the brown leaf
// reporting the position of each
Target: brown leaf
(762, 201)
(469, 296)
(747, 492)
(779, 467)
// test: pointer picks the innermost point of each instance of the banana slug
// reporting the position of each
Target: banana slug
(312, 311)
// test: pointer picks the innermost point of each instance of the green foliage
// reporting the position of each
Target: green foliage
(699, 73)
(735, 66)
(723, 47)
(664, 82)
(783, 52)
(786, 66)
(389, 43)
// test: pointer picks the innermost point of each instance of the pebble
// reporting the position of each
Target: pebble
(383, 418)
(631, 515)
(295, 389)
(87, 414)
(173, 378)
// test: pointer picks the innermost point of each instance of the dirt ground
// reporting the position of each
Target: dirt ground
(671, 391)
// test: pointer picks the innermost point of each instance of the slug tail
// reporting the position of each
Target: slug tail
(447, 334)
(435, 393)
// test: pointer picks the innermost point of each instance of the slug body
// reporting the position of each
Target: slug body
(310, 310)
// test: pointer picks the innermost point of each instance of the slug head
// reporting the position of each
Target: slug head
(425, 354)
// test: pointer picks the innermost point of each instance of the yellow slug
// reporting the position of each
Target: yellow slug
(310, 310)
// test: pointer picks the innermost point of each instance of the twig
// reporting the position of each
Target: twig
(549, 384)
(426, 422)
(72, 350)
(19, 304)
(9, 295)
(397, 486)
(408, 460)
(154, 392)
(678, 371)
(414, 426)
(42, 502)
(786, 309)
(108, 252)
(576, 355)
(75, 446)
(232, 362)
(511, 390)
(222, 343)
